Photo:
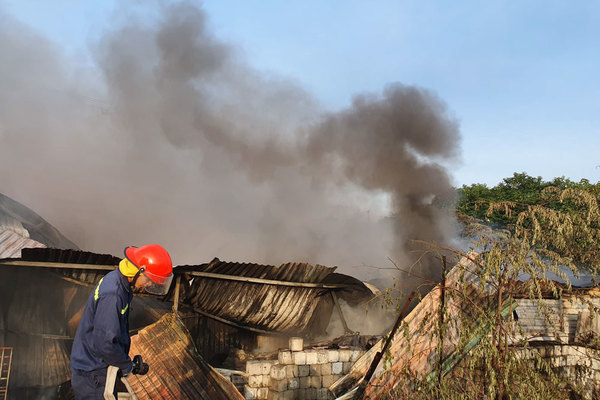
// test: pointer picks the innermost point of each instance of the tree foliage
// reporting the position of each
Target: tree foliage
(558, 215)
(516, 193)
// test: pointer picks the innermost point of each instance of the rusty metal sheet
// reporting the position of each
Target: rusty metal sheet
(177, 371)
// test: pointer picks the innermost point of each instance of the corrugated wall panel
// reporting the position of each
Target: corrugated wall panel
(177, 371)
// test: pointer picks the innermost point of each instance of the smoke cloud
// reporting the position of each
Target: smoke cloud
(172, 137)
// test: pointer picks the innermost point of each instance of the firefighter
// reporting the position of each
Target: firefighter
(102, 337)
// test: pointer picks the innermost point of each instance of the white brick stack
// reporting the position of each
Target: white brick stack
(259, 379)
(298, 373)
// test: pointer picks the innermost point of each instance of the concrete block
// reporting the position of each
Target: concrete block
(266, 366)
(322, 356)
(311, 357)
(545, 351)
(311, 394)
(329, 380)
(303, 370)
(574, 360)
(296, 344)
(326, 369)
(314, 370)
(274, 395)
(561, 361)
(278, 371)
(255, 381)
(304, 382)
(262, 393)
(337, 368)
(285, 357)
(333, 355)
(291, 371)
(315, 382)
(289, 395)
(250, 393)
(278, 385)
(346, 367)
(298, 357)
(293, 383)
(323, 394)
(266, 381)
(345, 354)
(301, 394)
(254, 367)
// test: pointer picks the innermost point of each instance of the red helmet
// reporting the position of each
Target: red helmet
(155, 263)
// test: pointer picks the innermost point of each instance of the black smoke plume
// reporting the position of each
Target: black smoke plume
(170, 136)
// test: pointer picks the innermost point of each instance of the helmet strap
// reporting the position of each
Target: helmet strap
(136, 276)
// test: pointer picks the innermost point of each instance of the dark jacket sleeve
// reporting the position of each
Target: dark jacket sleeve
(107, 333)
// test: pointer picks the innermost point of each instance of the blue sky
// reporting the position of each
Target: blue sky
(519, 76)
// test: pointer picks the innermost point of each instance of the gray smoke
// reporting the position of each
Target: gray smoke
(171, 137)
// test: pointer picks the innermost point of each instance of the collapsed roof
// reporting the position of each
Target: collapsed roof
(290, 298)
(22, 220)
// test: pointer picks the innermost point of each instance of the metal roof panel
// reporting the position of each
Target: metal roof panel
(177, 371)
(11, 243)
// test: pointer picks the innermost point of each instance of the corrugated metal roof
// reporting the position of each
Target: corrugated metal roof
(9, 223)
(255, 305)
(11, 243)
(69, 256)
(86, 276)
(177, 371)
(291, 272)
(38, 228)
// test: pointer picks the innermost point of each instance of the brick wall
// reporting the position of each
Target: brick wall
(305, 374)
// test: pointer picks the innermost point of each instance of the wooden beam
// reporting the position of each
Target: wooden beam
(176, 296)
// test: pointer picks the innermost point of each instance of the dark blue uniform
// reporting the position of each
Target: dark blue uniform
(102, 338)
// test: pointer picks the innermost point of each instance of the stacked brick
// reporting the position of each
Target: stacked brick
(305, 374)
(578, 365)
(236, 377)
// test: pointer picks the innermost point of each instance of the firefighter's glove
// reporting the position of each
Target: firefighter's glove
(139, 366)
